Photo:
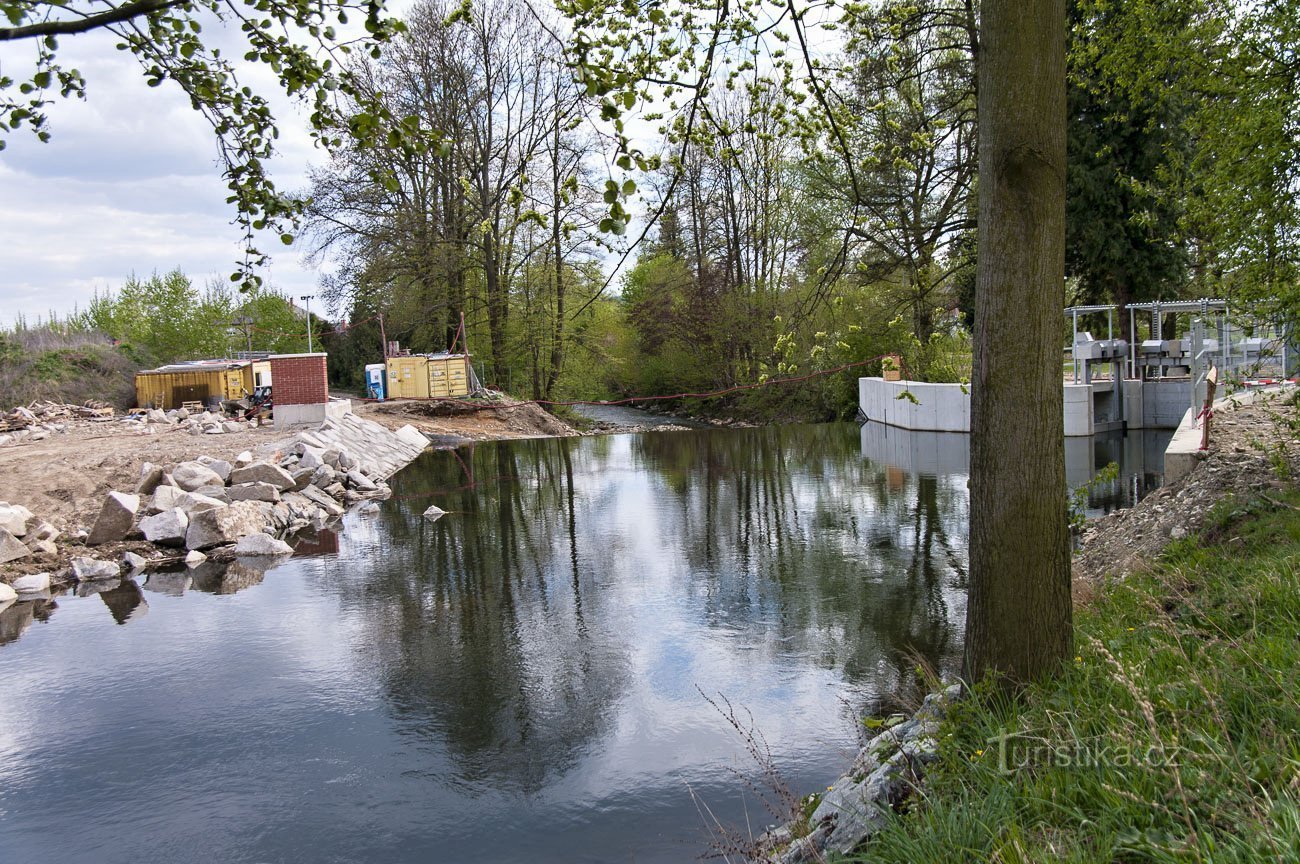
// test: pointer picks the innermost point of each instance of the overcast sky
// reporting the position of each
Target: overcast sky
(129, 184)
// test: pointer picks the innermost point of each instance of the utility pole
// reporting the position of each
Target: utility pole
(306, 299)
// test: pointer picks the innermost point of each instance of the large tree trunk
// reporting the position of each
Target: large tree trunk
(1018, 621)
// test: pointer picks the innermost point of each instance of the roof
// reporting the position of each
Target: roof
(196, 366)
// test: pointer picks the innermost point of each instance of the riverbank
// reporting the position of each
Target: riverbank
(1170, 735)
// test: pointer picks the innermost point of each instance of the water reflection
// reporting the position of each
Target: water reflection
(517, 680)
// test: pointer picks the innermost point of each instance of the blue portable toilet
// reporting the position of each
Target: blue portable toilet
(375, 381)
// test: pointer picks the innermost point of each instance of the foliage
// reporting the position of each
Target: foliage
(64, 364)
(1169, 739)
(302, 43)
(169, 319)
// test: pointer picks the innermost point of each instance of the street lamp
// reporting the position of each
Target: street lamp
(306, 299)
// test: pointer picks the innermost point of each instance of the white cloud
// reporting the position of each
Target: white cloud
(129, 184)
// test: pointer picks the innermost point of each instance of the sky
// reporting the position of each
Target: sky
(129, 184)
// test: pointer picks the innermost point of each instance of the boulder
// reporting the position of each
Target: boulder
(361, 482)
(14, 520)
(223, 525)
(262, 472)
(245, 458)
(253, 492)
(33, 584)
(191, 475)
(116, 516)
(345, 461)
(192, 502)
(311, 457)
(166, 528)
(220, 466)
(134, 562)
(150, 478)
(301, 477)
(320, 499)
(7, 594)
(231, 426)
(194, 558)
(434, 513)
(322, 477)
(261, 544)
(11, 548)
(90, 569)
(216, 493)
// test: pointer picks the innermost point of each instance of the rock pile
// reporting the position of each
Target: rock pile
(196, 423)
(885, 773)
(22, 534)
(239, 508)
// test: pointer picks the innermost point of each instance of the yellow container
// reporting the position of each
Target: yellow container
(205, 381)
(448, 375)
(408, 377)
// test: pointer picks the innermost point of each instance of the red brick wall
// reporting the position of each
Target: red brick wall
(299, 379)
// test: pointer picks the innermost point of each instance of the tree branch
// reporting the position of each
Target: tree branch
(90, 22)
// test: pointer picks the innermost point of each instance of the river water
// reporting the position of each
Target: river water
(522, 680)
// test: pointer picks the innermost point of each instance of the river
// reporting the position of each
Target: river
(521, 680)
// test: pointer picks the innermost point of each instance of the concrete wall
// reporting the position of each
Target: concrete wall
(946, 407)
(1165, 402)
(298, 416)
(938, 407)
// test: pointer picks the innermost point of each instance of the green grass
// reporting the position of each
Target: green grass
(1174, 736)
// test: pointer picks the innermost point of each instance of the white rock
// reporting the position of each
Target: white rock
(133, 561)
(262, 472)
(191, 475)
(13, 520)
(89, 569)
(42, 547)
(7, 594)
(166, 528)
(194, 558)
(220, 466)
(361, 482)
(245, 458)
(223, 525)
(253, 492)
(434, 513)
(33, 584)
(261, 544)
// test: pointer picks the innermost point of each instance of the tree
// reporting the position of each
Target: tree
(296, 39)
(1018, 623)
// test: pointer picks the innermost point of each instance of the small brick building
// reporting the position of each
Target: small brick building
(300, 389)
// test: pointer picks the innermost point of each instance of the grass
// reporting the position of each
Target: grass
(65, 366)
(1172, 737)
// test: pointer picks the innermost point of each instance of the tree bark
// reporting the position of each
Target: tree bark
(1018, 622)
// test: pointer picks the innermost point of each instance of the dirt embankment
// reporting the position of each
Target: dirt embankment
(1253, 449)
(471, 421)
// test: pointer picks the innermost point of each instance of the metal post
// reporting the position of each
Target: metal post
(1074, 347)
(306, 299)
(383, 336)
(1132, 343)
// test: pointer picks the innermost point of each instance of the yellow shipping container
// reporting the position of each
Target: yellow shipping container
(205, 381)
(448, 375)
(408, 377)
(421, 376)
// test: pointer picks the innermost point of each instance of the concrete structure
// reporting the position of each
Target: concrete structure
(302, 391)
(1184, 449)
(1089, 409)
